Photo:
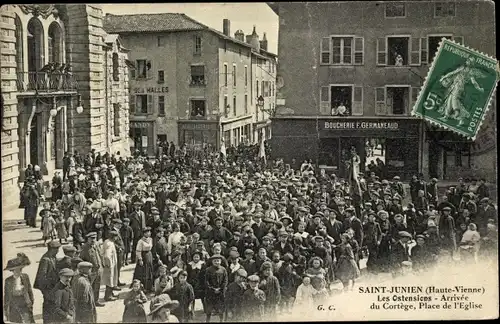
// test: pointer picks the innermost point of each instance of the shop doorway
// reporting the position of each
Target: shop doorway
(434, 151)
(375, 149)
(346, 145)
(34, 141)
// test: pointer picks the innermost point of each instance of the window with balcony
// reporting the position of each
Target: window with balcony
(342, 50)
(198, 75)
(161, 105)
(144, 70)
(54, 42)
(234, 106)
(116, 67)
(197, 45)
(161, 76)
(36, 57)
(444, 9)
(143, 104)
(198, 108)
(395, 10)
(116, 119)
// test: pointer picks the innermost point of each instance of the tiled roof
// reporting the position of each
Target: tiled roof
(150, 23)
(163, 22)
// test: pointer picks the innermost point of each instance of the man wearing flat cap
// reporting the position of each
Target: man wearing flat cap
(216, 281)
(91, 252)
(85, 307)
(351, 221)
(254, 300)
(65, 262)
(234, 296)
(47, 275)
(60, 303)
(400, 252)
(485, 211)
(110, 266)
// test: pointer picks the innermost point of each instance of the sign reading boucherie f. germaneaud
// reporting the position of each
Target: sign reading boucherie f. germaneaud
(361, 125)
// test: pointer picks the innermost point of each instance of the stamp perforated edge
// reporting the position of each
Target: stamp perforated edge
(431, 69)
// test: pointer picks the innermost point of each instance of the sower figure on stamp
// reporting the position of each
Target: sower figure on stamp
(455, 82)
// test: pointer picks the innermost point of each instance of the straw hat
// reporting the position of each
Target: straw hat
(161, 301)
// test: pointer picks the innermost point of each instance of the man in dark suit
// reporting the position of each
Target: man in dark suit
(47, 276)
(351, 221)
(483, 191)
(120, 249)
(137, 222)
(91, 253)
(400, 253)
(333, 227)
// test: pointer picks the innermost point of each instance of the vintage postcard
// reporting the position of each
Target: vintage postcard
(249, 162)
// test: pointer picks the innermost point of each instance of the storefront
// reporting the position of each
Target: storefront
(327, 142)
(198, 134)
(238, 130)
(142, 135)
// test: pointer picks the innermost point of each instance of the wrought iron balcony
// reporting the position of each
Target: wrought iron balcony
(46, 82)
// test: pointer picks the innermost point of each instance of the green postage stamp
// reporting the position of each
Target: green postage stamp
(458, 89)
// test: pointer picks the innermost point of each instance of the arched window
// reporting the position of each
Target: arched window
(19, 45)
(55, 43)
(116, 67)
(36, 58)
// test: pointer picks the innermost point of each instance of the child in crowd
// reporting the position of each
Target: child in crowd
(49, 227)
(62, 232)
(134, 304)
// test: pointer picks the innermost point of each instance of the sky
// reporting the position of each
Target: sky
(242, 16)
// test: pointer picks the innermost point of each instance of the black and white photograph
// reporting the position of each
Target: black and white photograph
(249, 162)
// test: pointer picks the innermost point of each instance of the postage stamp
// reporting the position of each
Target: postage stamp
(458, 89)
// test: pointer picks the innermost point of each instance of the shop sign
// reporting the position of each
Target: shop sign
(151, 90)
(199, 126)
(361, 125)
(140, 125)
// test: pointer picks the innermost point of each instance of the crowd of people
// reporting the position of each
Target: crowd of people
(249, 238)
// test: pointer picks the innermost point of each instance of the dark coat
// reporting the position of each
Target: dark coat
(334, 230)
(11, 307)
(184, 294)
(60, 304)
(85, 309)
(234, 299)
(253, 305)
(356, 225)
(47, 275)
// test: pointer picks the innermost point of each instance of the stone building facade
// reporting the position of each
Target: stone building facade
(53, 89)
(191, 84)
(344, 53)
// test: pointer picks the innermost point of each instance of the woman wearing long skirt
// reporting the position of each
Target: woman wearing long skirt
(18, 294)
(144, 270)
(347, 269)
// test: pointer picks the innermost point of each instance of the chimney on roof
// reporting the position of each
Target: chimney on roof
(254, 40)
(226, 24)
(263, 42)
(240, 35)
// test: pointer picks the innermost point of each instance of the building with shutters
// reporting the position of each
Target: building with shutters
(192, 84)
(61, 77)
(350, 72)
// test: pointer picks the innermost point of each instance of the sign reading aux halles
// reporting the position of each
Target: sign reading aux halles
(151, 90)
(361, 125)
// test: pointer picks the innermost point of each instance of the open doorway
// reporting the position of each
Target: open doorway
(375, 149)
(34, 140)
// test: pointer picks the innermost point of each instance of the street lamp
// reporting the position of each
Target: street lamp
(79, 107)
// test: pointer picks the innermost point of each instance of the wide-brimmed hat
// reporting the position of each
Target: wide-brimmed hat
(161, 301)
(20, 261)
(402, 234)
